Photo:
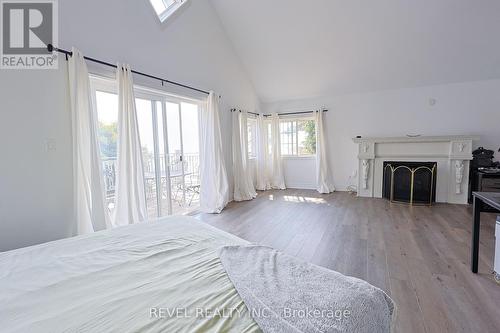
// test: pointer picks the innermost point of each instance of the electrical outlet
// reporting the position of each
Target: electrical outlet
(50, 145)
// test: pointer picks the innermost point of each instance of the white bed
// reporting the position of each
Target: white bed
(176, 275)
(129, 279)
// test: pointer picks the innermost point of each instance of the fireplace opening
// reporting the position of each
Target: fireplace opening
(410, 182)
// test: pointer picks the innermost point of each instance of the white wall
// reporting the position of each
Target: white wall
(36, 185)
(463, 108)
(300, 172)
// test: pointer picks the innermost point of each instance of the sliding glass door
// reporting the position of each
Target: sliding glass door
(169, 135)
(170, 151)
(191, 153)
(149, 127)
(183, 155)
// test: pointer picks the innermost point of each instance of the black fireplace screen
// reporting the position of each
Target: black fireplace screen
(410, 182)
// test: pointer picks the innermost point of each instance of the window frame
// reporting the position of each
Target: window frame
(252, 153)
(169, 10)
(295, 144)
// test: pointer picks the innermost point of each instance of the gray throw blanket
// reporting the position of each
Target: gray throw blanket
(285, 294)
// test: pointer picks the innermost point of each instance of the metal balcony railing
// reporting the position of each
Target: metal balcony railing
(190, 163)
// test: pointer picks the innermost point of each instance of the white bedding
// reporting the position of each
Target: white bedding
(293, 296)
(129, 279)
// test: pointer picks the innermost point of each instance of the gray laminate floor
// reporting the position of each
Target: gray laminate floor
(418, 255)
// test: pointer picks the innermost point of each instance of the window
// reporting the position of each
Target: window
(252, 137)
(298, 137)
(165, 8)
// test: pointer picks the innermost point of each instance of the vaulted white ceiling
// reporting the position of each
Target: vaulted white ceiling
(305, 48)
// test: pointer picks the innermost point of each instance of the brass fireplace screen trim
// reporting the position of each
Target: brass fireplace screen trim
(412, 181)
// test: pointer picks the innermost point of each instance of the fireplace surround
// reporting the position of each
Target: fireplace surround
(410, 182)
(452, 154)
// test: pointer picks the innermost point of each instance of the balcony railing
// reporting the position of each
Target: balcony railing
(189, 165)
(109, 171)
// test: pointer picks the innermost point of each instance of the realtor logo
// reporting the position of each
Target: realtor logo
(27, 28)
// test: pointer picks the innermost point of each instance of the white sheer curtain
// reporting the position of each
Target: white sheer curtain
(277, 178)
(90, 211)
(262, 154)
(214, 189)
(130, 204)
(323, 172)
(243, 184)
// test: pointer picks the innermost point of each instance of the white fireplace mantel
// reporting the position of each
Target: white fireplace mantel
(452, 154)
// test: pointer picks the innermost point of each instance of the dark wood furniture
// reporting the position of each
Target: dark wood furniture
(484, 181)
(483, 171)
(488, 182)
(482, 201)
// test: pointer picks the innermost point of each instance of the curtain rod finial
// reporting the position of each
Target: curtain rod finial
(50, 47)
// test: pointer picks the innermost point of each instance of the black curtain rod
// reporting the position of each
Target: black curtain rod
(282, 114)
(300, 112)
(51, 48)
(253, 113)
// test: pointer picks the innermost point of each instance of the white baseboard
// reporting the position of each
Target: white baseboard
(301, 186)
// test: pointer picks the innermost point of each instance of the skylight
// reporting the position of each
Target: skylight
(165, 8)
